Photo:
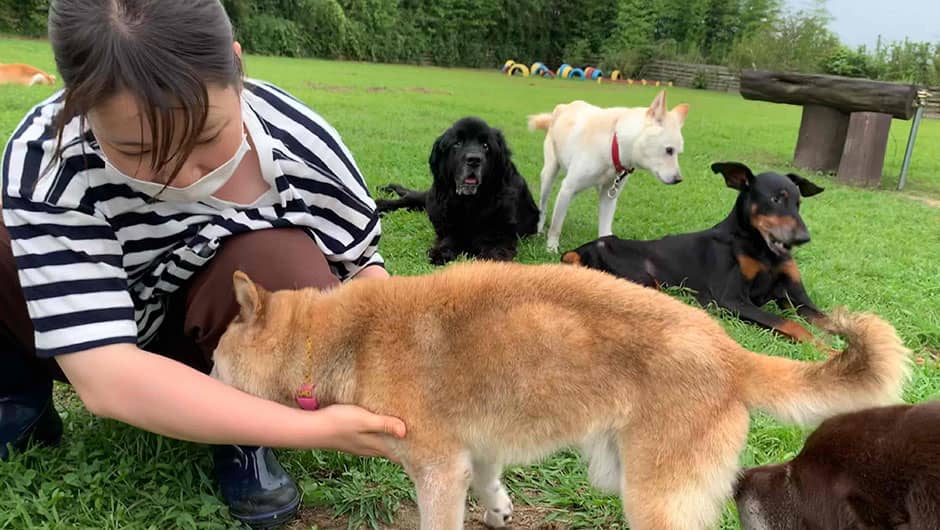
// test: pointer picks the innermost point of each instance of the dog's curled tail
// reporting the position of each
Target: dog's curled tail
(870, 372)
(540, 121)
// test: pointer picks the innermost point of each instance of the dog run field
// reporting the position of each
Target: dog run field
(870, 250)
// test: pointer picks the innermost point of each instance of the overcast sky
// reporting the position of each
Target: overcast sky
(861, 21)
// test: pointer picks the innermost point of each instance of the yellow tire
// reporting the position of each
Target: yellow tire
(518, 68)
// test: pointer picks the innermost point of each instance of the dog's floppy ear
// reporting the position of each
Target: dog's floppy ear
(436, 159)
(501, 149)
(807, 188)
(249, 296)
(657, 110)
(737, 175)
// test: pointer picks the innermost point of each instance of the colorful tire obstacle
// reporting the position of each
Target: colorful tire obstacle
(518, 69)
(566, 71)
(511, 67)
(593, 73)
(540, 69)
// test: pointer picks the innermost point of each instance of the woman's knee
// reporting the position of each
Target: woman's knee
(276, 259)
(280, 258)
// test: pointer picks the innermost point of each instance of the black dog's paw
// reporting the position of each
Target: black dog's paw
(394, 189)
(383, 206)
(441, 255)
(497, 254)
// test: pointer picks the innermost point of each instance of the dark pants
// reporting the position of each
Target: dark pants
(197, 315)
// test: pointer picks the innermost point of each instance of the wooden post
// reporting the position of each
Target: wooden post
(845, 121)
(865, 145)
(822, 137)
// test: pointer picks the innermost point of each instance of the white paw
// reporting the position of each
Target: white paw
(501, 515)
(552, 245)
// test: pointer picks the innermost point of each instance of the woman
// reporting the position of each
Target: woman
(129, 199)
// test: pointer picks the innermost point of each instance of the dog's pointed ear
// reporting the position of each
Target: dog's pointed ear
(807, 188)
(737, 175)
(657, 110)
(680, 112)
(249, 296)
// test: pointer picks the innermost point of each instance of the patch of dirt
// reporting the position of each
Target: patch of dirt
(422, 90)
(329, 88)
(929, 201)
(342, 89)
(523, 518)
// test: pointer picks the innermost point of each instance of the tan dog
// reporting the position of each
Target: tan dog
(490, 364)
(24, 74)
(599, 148)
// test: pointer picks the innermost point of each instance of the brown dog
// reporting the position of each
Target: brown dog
(490, 364)
(874, 469)
(24, 74)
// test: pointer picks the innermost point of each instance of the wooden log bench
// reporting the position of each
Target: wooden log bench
(845, 121)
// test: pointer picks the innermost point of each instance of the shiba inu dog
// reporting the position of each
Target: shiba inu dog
(24, 74)
(496, 363)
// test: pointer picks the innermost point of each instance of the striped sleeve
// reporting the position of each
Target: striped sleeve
(69, 262)
(333, 185)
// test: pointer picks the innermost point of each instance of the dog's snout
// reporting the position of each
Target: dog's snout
(474, 160)
(801, 237)
(677, 180)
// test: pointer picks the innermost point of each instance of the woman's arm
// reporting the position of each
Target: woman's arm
(372, 271)
(161, 395)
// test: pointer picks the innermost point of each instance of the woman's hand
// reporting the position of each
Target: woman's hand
(354, 430)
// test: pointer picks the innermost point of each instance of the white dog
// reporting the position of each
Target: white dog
(601, 147)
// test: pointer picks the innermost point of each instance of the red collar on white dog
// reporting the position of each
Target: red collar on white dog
(622, 172)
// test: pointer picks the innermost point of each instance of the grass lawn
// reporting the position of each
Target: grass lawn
(871, 250)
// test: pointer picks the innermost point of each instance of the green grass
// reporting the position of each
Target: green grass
(871, 250)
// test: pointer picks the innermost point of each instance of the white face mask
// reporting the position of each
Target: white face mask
(197, 191)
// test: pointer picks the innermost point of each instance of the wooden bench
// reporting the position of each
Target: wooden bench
(845, 121)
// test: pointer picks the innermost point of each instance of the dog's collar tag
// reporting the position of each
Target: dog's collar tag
(622, 172)
(306, 398)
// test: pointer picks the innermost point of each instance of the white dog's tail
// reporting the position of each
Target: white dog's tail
(540, 121)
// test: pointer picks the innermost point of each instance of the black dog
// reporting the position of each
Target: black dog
(478, 203)
(874, 469)
(740, 264)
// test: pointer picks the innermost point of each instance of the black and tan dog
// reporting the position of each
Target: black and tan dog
(478, 203)
(739, 264)
(874, 469)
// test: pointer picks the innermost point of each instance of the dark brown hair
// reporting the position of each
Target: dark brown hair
(165, 53)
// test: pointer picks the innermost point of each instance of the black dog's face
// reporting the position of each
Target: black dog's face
(466, 155)
(772, 202)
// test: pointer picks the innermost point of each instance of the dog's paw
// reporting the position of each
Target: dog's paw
(552, 245)
(499, 515)
(440, 256)
(497, 254)
(392, 189)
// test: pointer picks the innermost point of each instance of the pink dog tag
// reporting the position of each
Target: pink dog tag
(306, 398)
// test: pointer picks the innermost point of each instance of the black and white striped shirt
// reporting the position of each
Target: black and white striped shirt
(96, 258)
